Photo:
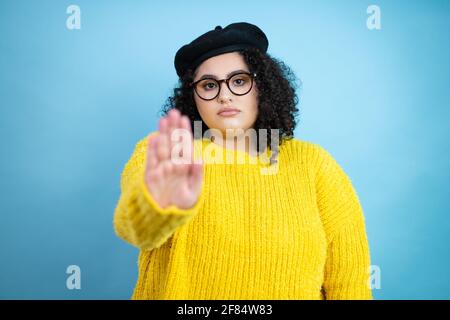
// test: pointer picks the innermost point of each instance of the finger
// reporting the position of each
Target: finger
(185, 123)
(169, 117)
(174, 118)
(164, 125)
(162, 149)
(187, 142)
(152, 159)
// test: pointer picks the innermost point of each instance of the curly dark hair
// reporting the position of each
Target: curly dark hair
(277, 98)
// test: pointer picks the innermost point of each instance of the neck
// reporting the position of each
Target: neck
(236, 142)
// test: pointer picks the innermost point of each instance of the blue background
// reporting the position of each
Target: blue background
(74, 103)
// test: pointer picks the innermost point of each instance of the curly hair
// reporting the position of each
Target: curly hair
(277, 98)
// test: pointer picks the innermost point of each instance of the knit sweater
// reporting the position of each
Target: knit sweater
(296, 232)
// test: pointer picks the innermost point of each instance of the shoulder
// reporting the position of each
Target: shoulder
(305, 152)
(139, 153)
(315, 159)
(142, 143)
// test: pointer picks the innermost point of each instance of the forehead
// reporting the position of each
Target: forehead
(221, 65)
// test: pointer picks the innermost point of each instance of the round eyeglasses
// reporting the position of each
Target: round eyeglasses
(239, 84)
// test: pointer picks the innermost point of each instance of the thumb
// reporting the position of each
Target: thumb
(196, 176)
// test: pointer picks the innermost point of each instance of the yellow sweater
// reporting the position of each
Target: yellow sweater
(295, 233)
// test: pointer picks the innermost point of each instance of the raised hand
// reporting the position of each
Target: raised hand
(171, 182)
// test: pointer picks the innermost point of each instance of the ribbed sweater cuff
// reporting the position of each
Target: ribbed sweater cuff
(145, 224)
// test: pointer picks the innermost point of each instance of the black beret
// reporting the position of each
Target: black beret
(233, 37)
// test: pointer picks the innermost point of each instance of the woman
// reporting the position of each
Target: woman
(211, 228)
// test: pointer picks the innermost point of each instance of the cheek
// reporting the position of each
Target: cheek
(200, 105)
(205, 110)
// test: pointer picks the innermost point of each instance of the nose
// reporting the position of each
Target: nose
(224, 94)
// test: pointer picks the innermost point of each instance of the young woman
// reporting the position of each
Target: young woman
(288, 228)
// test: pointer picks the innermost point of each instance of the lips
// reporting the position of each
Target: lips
(228, 111)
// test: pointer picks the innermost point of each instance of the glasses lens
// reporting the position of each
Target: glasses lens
(207, 88)
(240, 83)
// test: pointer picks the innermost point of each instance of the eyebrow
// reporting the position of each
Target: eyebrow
(232, 73)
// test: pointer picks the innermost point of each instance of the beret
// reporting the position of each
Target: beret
(233, 37)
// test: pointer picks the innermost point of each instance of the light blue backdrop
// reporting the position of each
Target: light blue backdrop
(74, 103)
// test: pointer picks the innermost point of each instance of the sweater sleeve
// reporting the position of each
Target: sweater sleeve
(138, 219)
(346, 272)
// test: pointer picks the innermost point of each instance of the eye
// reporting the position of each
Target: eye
(208, 85)
(240, 80)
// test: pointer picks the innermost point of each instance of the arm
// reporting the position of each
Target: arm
(346, 273)
(138, 219)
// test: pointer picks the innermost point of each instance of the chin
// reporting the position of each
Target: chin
(235, 131)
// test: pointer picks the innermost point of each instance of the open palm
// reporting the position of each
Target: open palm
(168, 181)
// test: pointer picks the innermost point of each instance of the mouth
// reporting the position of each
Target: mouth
(228, 112)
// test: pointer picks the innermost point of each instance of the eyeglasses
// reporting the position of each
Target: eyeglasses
(239, 84)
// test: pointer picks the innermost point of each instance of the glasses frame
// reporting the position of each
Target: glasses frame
(252, 77)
